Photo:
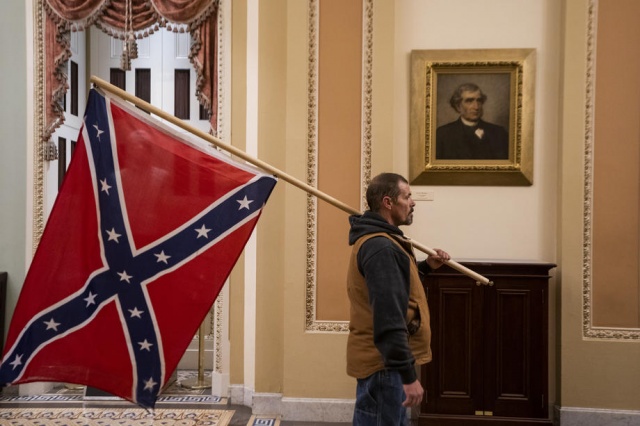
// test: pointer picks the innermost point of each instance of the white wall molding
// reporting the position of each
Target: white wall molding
(317, 409)
(266, 403)
(293, 409)
(236, 394)
(576, 416)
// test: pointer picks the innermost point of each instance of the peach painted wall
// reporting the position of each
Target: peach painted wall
(339, 145)
(616, 175)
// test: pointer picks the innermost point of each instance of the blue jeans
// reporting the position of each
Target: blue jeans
(379, 400)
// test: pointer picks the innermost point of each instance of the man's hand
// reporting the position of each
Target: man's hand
(436, 261)
(414, 393)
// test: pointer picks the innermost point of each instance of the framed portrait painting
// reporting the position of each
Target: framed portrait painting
(472, 117)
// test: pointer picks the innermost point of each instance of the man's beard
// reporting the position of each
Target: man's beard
(409, 219)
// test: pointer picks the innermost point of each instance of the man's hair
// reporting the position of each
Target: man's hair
(456, 98)
(383, 185)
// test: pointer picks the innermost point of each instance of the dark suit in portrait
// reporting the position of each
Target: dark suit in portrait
(485, 141)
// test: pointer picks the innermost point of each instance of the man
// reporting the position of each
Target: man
(469, 137)
(389, 331)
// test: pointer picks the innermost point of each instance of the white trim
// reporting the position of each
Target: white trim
(266, 403)
(317, 410)
(293, 409)
(250, 250)
(577, 416)
(35, 388)
(236, 394)
(219, 383)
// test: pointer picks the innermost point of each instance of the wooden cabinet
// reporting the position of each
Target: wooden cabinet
(490, 346)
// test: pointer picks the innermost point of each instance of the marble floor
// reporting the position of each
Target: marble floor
(175, 397)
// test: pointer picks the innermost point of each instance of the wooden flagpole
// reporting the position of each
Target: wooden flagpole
(265, 166)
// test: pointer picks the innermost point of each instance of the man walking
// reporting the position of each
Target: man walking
(389, 331)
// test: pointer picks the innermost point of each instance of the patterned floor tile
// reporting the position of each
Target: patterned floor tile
(258, 420)
(113, 416)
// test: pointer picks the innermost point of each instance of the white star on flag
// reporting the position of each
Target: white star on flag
(125, 277)
(99, 131)
(113, 235)
(91, 299)
(51, 324)
(145, 345)
(135, 312)
(104, 186)
(202, 232)
(162, 257)
(149, 384)
(16, 362)
(244, 203)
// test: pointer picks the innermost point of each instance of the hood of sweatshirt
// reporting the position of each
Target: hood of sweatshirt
(370, 223)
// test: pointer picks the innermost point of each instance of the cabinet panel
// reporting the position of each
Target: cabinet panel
(512, 344)
(454, 346)
(457, 344)
(455, 378)
(489, 345)
(517, 355)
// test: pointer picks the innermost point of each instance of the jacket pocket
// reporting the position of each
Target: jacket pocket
(414, 319)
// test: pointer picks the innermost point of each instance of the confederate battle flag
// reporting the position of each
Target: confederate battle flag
(144, 232)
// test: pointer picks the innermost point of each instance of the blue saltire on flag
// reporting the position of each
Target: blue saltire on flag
(145, 230)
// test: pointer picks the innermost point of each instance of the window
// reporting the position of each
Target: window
(62, 160)
(181, 95)
(74, 88)
(117, 77)
(143, 84)
(204, 114)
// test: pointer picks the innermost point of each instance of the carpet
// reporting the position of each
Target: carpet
(112, 416)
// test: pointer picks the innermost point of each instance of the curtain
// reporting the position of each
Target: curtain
(129, 20)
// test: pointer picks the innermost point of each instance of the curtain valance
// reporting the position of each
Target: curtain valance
(129, 20)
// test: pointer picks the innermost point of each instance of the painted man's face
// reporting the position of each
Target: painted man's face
(471, 105)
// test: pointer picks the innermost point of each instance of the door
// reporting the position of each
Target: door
(516, 348)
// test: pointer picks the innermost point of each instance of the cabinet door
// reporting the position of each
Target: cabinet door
(454, 380)
(515, 348)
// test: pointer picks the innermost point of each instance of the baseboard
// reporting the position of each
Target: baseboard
(293, 409)
(576, 416)
(266, 403)
(219, 383)
(35, 388)
(317, 410)
(240, 395)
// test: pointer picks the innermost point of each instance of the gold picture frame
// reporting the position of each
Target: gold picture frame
(502, 154)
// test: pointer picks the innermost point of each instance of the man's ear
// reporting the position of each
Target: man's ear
(387, 202)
